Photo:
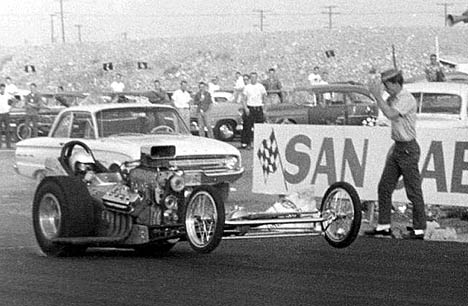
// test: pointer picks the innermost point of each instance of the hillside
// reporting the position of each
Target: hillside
(294, 54)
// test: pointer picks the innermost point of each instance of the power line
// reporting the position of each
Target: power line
(330, 14)
(445, 5)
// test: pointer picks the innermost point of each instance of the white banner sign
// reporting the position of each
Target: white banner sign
(289, 158)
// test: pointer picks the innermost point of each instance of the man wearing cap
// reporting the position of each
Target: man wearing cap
(402, 159)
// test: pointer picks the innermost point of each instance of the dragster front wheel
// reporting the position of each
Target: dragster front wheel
(341, 209)
(204, 219)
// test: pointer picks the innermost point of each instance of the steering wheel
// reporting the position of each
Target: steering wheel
(162, 128)
(67, 152)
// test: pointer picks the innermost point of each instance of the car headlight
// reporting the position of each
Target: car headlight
(177, 183)
(231, 162)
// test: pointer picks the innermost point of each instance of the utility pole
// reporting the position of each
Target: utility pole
(445, 5)
(52, 37)
(78, 26)
(330, 14)
(261, 24)
(61, 19)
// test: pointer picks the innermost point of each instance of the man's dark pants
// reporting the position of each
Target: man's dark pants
(5, 127)
(255, 116)
(402, 161)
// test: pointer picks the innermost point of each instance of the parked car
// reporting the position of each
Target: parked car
(54, 102)
(225, 116)
(440, 104)
(325, 104)
(116, 132)
(450, 76)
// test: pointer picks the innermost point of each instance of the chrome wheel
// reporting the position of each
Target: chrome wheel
(23, 131)
(49, 216)
(341, 209)
(224, 130)
(204, 220)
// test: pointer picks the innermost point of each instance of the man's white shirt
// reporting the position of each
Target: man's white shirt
(314, 78)
(181, 98)
(117, 86)
(4, 107)
(11, 89)
(239, 85)
(254, 94)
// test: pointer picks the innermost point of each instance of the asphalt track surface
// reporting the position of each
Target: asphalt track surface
(287, 271)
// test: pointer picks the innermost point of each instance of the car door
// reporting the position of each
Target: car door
(330, 108)
(359, 108)
(294, 110)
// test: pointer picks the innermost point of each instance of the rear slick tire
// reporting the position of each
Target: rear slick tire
(62, 207)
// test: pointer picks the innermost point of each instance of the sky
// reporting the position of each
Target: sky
(29, 21)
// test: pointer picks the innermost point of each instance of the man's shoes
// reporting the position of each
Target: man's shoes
(412, 236)
(379, 234)
(245, 147)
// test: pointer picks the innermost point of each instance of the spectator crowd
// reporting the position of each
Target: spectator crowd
(79, 67)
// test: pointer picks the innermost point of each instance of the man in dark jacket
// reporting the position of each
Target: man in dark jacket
(33, 103)
(273, 87)
(203, 102)
(158, 95)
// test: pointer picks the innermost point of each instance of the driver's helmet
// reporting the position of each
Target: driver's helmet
(81, 162)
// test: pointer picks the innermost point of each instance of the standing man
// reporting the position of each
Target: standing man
(5, 102)
(213, 86)
(158, 95)
(403, 157)
(238, 87)
(181, 99)
(314, 77)
(434, 70)
(117, 85)
(253, 102)
(33, 103)
(203, 102)
(273, 87)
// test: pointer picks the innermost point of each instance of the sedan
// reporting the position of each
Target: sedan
(116, 132)
(342, 104)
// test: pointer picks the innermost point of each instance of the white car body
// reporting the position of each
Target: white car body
(31, 154)
(440, 104)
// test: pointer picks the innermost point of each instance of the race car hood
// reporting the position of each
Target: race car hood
(186, 145)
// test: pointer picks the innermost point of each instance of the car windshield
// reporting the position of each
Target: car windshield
(139, 121)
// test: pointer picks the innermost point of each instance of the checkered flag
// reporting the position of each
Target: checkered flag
(268, 154)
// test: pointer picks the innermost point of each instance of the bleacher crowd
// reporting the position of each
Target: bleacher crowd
(79, 67)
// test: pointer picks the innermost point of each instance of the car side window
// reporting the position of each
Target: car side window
(359, 98)
(82, 126)
(440, 103)
(302, 97)
(334, 98)
(63, 127)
